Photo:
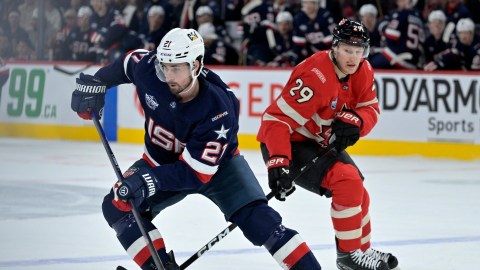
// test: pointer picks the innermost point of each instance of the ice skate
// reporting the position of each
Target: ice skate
(386, 257)
(357, 260)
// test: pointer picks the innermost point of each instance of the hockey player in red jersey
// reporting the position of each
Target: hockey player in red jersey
(328, 103)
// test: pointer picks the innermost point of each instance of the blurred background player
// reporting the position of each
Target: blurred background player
(328, 101)
(404, 37)
(368, 15)
(217, 51)
(156, 30)
(312, 31)
(437, 39)
(190, 148)
(269, 41)
(463, 52)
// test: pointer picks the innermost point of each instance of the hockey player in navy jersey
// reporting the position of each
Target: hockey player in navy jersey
(191, 146)
(404, 38)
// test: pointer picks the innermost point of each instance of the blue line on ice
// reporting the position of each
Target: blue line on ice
(99, 259)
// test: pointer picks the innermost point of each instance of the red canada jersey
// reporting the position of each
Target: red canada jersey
(310, 100)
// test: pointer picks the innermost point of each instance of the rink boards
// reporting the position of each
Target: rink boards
(428, 114)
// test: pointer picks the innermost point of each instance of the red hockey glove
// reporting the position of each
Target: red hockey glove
(279, 179)
(345, 129)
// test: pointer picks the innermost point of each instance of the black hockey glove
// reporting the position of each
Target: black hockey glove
(89, 96)
(279, 179)
(139, 184)
(345, 130)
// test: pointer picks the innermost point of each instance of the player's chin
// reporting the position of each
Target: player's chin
(350, 69)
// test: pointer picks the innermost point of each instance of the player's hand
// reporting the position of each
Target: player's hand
(89, 96)
(346, 129)
(139, 184)
(279, 179)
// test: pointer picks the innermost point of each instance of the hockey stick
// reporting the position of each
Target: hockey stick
(118, 172)
(71, 73)
(232, 226)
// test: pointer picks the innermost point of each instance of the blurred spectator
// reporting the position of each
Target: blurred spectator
(79, 42)
(217, 52)
(204, 14)
(155, 18)
(456, 10)
(52, 25)
(4, 71)
(464, 51)
(254, 14)
(273, 46)
(24, 50)
(232, 10)
(14, 31)
(431, 5)
(60, 49)
(404, 37)
(6, 51)
(129, 13)
(172, 11)
(102, 16)
(312, 31)
(474, 5)
(368, 16)
(214, 5)
(286, 57)
(436, 41)
(111, 38)
(26, 14)
(76, 4)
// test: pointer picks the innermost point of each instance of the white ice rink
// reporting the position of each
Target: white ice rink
(425, 211)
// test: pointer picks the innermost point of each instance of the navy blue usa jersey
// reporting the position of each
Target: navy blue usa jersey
(311, 36)
(404, 35)
(185, 142)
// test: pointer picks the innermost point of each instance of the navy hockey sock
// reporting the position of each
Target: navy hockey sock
(290, 251)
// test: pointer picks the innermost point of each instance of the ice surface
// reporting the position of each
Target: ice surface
(425, 211)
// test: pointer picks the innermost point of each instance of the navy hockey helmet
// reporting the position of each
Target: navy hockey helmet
(352, 33)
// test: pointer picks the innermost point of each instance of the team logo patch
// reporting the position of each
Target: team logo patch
(173, 104)
(130, 172)
(151, 101)
(192, 36)
(333, 105)
(220, 115)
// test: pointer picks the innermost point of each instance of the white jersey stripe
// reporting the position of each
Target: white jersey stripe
(290, 112)
(304, 131)
(150, 157)
(364, 104)
(268, 117)
(197, 165)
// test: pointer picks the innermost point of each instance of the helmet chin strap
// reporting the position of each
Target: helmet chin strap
(334, 60)
(186, 90)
